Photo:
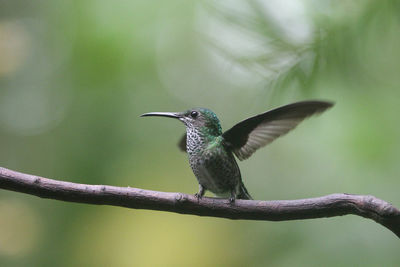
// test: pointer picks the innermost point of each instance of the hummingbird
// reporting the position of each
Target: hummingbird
(211, 151)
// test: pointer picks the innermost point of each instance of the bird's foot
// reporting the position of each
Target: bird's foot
(198, 196)
(233, 197)
(201, 192)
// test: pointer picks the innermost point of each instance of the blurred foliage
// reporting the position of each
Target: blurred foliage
(75, 75)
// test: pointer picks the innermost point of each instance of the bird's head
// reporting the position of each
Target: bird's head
(197, 118)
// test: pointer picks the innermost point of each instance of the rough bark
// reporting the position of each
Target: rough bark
(369, 207)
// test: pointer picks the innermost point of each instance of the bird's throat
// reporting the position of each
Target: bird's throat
(199, 139)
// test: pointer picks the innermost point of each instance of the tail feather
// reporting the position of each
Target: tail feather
(243, 193)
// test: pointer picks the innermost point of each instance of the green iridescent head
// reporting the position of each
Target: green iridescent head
(203, 119)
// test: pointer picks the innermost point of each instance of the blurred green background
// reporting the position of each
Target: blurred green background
(75, 76)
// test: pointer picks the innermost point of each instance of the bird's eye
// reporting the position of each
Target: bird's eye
(194, 114)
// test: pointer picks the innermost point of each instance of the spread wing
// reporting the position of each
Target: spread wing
(182, 143)
(249, 135)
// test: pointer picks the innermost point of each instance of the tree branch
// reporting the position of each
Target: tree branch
(277, 210)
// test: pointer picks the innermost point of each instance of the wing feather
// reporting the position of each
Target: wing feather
(249, 135)
(182, 143)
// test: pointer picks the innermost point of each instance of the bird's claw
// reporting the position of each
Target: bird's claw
(231, 200)
(198, 196)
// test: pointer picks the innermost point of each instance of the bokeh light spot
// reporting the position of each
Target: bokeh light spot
(14, 46)
(19, 228)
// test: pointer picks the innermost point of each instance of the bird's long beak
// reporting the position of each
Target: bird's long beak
(175, 115)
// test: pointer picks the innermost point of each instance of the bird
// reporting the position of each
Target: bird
(211, 152)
